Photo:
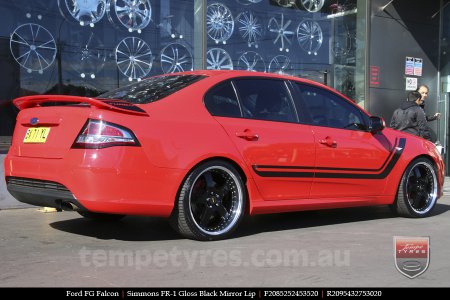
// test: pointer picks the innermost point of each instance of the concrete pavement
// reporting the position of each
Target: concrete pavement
(332, 248)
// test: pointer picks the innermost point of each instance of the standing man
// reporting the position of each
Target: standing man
(410, 117)
(423, 90)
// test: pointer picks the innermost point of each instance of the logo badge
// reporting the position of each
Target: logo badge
(412, 255)
(34, 121)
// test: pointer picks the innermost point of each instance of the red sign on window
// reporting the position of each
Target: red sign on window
(374, 76)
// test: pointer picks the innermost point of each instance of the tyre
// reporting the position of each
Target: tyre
(99, 216)
(211, 202)
(418, 190)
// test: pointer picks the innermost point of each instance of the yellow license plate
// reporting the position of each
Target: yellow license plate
(36, 135)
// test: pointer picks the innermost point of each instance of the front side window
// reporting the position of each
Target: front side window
(152, 89)
(329, 110)
(221, 101)
(264, 99)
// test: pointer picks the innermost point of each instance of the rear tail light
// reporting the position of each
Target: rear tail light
(100, 134)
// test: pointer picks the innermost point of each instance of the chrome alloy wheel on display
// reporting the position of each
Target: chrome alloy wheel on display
(286, 3)
(134, 15)
(219, 22)
(86, 55)
(309, 36)
(312, 5)
(218, 59)
(280, 30)
(251, 61)
(249, 28)
(33, 47)
(280, 64)
(248, 2)
(85, 12)
(133, 58)
(176, 57)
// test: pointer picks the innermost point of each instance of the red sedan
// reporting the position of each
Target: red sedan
(204, 148)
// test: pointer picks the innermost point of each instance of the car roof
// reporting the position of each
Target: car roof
(224, 74)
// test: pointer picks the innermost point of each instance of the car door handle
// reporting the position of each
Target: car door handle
(328, 141)
(247, 135)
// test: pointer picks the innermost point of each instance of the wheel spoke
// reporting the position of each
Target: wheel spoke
(222, 211)
(205, 216)
(210, 183)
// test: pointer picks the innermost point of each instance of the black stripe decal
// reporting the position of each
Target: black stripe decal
(390, 163)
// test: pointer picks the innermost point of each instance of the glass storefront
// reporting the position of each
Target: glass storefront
(86, 47)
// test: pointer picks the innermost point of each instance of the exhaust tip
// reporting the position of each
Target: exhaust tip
(69, 206)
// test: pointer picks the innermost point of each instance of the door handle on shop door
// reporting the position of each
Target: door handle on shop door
(328, 141)
(247, 135)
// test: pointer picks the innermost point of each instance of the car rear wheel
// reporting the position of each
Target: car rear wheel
(418, 190)
(99, 216)
(211, 202)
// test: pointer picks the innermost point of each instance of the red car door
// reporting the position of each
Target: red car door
(268, 136)
(350, 160)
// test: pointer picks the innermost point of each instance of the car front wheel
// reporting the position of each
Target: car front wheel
(418, 190)
(211, 202)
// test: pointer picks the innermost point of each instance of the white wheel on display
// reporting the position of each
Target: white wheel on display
(134, 15)
(33, 47)
(133, 58)
(251, 61)
(176, 57)
(218, 59)
(309, 36)
(219, 22)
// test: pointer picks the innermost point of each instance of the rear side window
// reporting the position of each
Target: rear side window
(152, 89)
(265, 99)
(221, 101)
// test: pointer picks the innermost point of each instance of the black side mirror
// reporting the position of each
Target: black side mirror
(376, 125)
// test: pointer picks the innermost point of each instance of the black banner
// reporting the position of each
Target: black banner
(250, 293)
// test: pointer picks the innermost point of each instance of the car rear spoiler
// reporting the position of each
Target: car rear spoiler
(115, 105)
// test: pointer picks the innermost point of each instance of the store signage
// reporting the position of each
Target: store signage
(413, 66)
(409, 66)
(374, 76)
(411, 83)
(418, 63)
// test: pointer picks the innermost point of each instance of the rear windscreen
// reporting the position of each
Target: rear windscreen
(152, 89)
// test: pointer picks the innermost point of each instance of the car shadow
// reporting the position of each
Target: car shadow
(440, 208)
(130, 228)
(136, 228)
(307, 219)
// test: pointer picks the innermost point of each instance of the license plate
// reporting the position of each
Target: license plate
(36, 135)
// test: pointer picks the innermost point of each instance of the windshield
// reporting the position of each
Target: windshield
(152, 89)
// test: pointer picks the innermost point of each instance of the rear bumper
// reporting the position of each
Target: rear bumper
(104, 181)
(42, 193)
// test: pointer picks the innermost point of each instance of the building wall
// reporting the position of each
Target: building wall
(405, 28)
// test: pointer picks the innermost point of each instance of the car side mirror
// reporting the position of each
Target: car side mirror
(376, 125)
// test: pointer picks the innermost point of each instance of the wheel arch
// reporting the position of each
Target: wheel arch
(239, 168)
(393, 184)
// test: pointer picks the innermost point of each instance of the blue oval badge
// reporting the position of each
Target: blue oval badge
(34, 121)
